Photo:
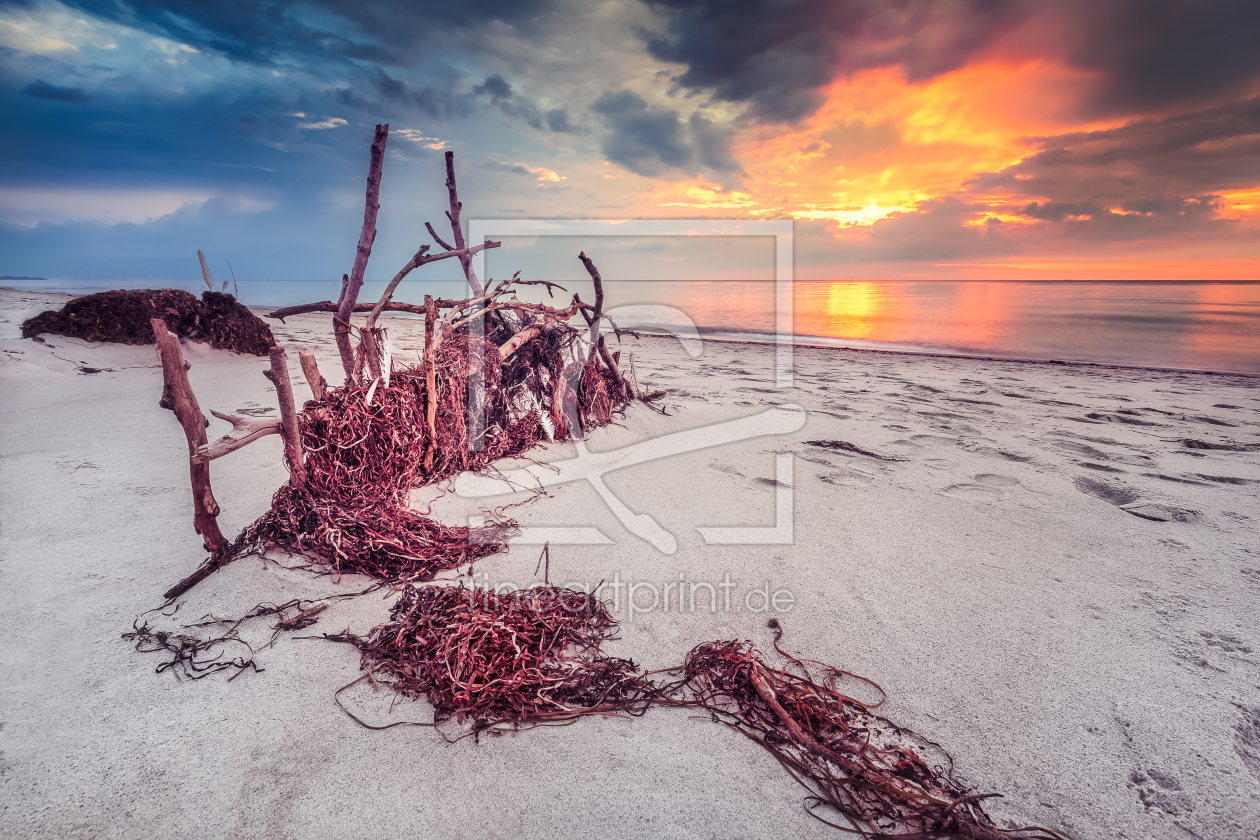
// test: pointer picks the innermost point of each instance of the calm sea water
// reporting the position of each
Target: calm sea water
(1205, 326)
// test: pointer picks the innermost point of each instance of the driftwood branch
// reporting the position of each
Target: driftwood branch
(437, 238)
(599, 296)
(430, 379)
(457, 229)
(313, 377)
(245, 430)
(514, 343)
(597, 340)
(177, 395)
(371, 350)
(341, 323)
(279, 374)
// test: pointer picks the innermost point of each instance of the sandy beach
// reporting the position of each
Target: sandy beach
(1051, 569)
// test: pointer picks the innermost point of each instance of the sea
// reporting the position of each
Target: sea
(1212, 326)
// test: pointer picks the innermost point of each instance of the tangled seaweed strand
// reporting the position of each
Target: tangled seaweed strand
(516, 658)
(534, 657)
(364, 456)
(867, 769)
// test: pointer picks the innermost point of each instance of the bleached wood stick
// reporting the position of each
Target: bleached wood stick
(341, 321)
(456, 229)
(514, 343)
(279, 374)
(430, 379)
(313, 377)
(178, 396)
(245, 430)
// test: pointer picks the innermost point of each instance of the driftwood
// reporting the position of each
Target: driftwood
(350, 291)
(245, 430)
(421, 258)
(457, 229)
(311, 371)
(178, 396)
(597, 340)
(279, 374)
(430, 378)
(514, 343)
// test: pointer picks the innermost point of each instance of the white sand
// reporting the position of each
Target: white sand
(1098, 668)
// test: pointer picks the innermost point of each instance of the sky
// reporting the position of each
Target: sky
(908, 139)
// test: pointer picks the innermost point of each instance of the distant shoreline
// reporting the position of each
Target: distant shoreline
(821, 343)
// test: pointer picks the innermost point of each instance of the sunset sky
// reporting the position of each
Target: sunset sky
(916, 139)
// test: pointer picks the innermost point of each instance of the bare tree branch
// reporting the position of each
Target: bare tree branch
(372, 205)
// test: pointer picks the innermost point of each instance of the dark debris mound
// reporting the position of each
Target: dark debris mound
(123, 317)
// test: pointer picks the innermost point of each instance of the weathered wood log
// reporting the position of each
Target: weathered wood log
(279, 374)
(515, 342)
(313, 376)
(456, 228)
(245, 430)
(597, 340)
(430, 379)
(372, 205)
(178, 396)
(593, 318)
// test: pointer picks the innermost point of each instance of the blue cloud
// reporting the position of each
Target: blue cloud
(42, 90)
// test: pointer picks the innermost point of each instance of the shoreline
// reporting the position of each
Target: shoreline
(823, 343)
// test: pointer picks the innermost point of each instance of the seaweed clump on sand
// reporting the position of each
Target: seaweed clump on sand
(124, 316)
(503, 659)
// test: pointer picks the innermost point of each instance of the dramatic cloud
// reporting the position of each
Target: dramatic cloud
(1144, 179)
(384, 31)
(651, 140)
(937, 230)
(1150, 54)
(42, 90)
(644, 139)
(776, 55)
(1205, 151)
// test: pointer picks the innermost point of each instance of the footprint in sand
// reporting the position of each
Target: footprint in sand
(994, 480)
(967, 490)
(982, 485)
(1130, 501)
(931, 440)
(848, 478)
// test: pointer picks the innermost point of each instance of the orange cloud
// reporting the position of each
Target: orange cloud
(880, 145)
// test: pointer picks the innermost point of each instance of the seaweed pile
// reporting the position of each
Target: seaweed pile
(501, 661)
(491, 658)
(125, 316)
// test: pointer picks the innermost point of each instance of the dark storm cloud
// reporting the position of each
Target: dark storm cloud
(713, 144)
(776, 54)
(42, 90)
(495, 87)
(511, 104)
(644, 139)
(388, 31)
(558, 121)
(1149, 166)
(1156, 53)
(650, 140)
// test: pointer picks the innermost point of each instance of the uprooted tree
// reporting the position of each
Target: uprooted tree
(498, 375)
